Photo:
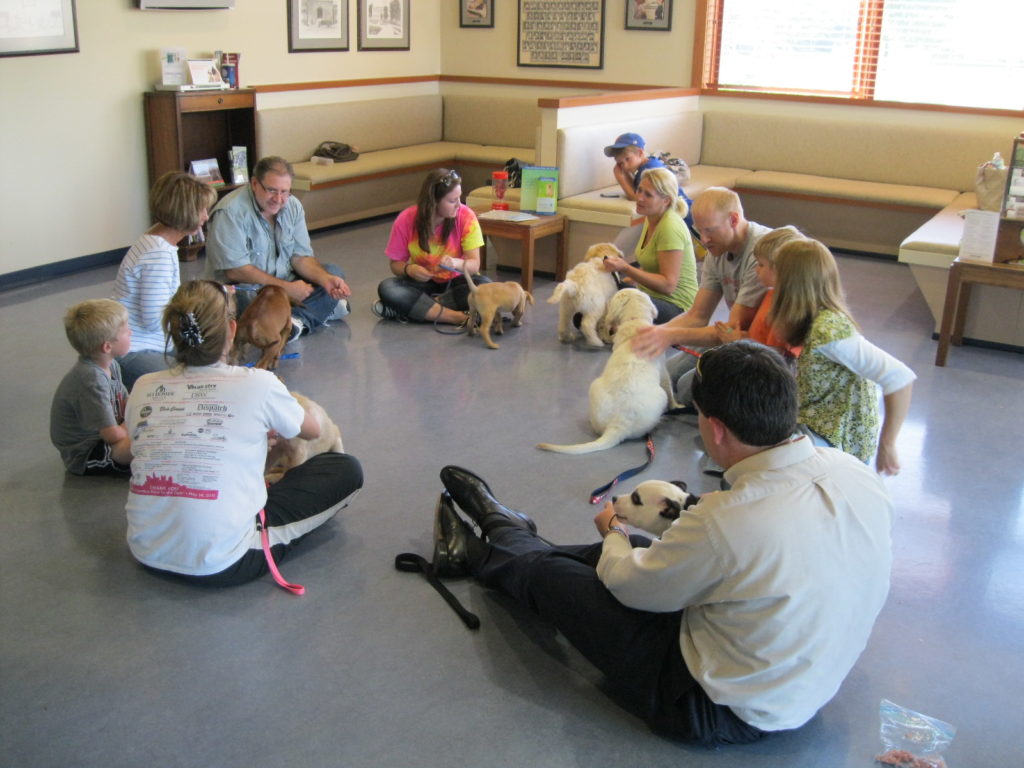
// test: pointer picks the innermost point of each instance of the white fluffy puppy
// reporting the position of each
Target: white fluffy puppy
(585, 290)
(629, 397)
(654, 505)
(290, 453)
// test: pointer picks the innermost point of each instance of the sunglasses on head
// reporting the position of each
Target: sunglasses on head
(449, 180)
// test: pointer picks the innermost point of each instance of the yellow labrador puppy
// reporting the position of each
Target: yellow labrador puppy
(586, 291)
(290, 453)
(489, 300)
(629, 397)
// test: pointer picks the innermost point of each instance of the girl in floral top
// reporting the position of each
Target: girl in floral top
(434, 246)
(838, 370)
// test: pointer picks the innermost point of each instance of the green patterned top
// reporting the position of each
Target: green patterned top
(835, 402)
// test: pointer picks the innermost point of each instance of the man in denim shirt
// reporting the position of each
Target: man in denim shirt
(257, 236)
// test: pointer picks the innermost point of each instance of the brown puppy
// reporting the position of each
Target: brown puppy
(489, 301)
(265, 323)
(290, 453)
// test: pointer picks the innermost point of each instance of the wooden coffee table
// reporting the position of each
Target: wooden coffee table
(528, 233)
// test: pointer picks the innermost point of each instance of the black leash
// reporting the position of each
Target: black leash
(598, 494)
(410, 562)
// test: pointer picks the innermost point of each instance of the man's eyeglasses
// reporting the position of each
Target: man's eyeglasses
(697, 374)
(285, 193)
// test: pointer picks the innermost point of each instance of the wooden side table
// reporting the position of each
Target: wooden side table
(528, 232)
(962, 275)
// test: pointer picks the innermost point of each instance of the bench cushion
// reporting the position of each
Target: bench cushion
(309, 175)
(491, 121)
(870, 192)
(295, 132)
(937, 241)
(862, 150)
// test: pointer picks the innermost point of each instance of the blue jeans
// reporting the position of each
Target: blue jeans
(313, 312)
(136, 364)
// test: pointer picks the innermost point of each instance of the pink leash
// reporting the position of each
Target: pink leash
(295, 589)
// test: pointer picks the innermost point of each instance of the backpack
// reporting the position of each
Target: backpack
(336, 151)
(514, 169)
(677, 165)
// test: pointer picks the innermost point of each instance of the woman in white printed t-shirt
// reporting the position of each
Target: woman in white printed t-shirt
(199, 444)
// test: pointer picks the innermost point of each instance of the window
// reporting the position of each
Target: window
(948, 52)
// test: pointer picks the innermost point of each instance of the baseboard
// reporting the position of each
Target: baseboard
(46, 272)
(982, 343)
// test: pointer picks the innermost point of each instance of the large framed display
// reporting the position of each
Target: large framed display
(561, 33)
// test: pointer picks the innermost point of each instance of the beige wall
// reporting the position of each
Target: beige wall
(71, 125)
(72, 128)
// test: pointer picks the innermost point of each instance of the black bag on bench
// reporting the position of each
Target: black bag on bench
(336, 151)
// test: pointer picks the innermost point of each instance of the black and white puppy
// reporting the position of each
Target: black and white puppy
(654, 505)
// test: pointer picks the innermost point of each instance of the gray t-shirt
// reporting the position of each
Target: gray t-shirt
(86, 401)
(735, 277)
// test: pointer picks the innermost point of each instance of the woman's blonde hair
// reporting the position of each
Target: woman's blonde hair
(806, 282)
(177, 200)
(769, 244)
(196, 321)
(665, 183)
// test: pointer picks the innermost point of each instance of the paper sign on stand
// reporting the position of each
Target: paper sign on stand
(979, 239)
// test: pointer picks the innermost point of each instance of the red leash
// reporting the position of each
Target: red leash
(295, 589)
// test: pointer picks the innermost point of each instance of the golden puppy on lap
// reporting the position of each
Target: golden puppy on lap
(286, 454)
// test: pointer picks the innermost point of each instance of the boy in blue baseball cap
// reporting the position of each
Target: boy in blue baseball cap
(630, 162)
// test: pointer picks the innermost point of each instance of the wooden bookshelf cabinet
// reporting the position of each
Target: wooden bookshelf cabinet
(195, 125)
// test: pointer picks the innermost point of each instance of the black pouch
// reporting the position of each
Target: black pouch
(337, 151)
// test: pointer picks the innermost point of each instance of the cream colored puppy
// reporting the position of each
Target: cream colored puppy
(586, 290)
(290, 453)
(629, 397)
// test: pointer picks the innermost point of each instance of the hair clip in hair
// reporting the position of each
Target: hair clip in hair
(190, 332)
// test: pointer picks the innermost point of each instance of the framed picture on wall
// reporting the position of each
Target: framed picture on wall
(32, 29)
(561, 33)
(650, 15)
(383, 25)
(317, 25)
(476, 13)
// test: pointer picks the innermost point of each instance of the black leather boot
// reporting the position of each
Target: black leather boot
(452, 536)
(474, 497)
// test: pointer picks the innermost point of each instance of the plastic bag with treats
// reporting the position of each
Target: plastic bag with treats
(910, 739)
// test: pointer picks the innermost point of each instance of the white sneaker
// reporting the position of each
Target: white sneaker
(341, 310)
(298, 329)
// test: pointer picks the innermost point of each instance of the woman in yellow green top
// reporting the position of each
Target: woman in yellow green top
(665, 268)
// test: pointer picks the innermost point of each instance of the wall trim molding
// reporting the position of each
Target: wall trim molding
(44, 272)
(520, 81)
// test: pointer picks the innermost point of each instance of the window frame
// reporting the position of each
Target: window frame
(707, 40)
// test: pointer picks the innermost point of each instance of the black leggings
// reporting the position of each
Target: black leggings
(413, 300)
(304, 499)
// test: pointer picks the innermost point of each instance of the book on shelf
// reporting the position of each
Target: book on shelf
(239, 165)
(229, 68)
(207, 170)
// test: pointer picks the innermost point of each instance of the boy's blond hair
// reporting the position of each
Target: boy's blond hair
(93, 322)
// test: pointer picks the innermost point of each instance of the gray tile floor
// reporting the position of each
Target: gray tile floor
(102, 664)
